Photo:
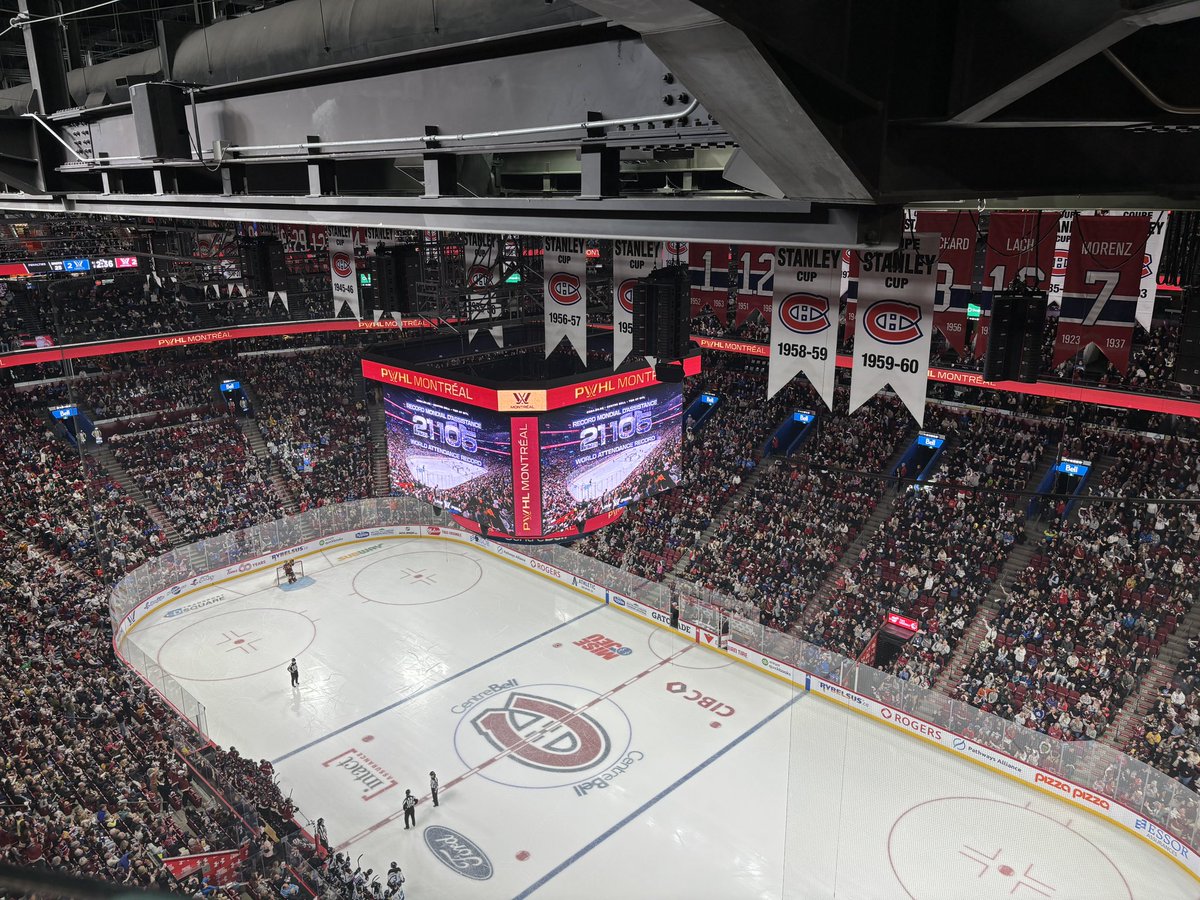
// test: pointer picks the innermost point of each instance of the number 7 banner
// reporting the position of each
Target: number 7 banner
(895, 319)
(1101, 287)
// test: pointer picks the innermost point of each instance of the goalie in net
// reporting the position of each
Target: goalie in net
(291, 571)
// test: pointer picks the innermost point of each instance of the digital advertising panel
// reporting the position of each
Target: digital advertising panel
(451, 455)
(604, 454)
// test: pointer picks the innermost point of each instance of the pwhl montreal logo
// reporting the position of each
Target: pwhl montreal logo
(343, 266)
(544, 734)
(625, 294)
(804, 313)
(564, 288)
(893, 321)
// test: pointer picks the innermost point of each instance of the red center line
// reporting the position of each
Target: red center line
(541, 732)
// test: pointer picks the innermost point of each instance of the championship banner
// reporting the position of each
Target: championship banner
(675, 253)
(1149, 289)
(1020, 247)
(565, 293)
(1062, 249)
(344, 273)
(1100, 291)
(631, 260)
(896, 291)
(956, 265)
(481, 273)
(849, 294)
(753, 283)
(708, 265)
(804, 319)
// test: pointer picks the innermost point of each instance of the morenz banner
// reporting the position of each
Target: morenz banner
(565, 293)
(804, 319)
(1020, 247)
(956, 264)
(631, 260)
(1101, 287)
(896, 292)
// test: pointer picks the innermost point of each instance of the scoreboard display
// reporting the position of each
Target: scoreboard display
(546, 463)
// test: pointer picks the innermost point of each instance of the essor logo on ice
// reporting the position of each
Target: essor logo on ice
(804, 313)
(479, 277)
(893, 321)
(603, 647)
(458, 852)
(564, 288)
(625, 294)
(343, 266)
(544, 734)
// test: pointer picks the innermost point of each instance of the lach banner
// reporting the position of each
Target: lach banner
(804, 319)
(631, 260)
(895, 319)
(565, 293)
(1020, 247)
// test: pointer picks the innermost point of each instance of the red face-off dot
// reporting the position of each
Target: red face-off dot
(556, 646)
(367, 738)
(1006, 870)
(714, 724)
(523, 855)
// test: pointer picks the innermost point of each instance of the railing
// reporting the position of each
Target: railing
(1106, 772)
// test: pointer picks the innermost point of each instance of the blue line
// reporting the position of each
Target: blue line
(431, 687)
(570, 861)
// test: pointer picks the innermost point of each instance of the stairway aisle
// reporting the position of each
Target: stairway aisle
(379, 454)
(121, 476)
(279, 482)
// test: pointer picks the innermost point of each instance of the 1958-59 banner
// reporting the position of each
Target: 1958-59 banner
(895, 318)
(565, 293)
(804, 319)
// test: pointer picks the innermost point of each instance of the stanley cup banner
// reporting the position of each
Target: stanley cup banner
(343, 272)
(481, 272)
(849, 293)
(1020, 247)
(956, 265)
(1100, 291)
(631, 260)
(565, 293)
(896, 292)
(804, 319)
(1149, 289)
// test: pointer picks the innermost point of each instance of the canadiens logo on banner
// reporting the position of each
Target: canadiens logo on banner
(956, 263)
(565, 293)
(343, 271)
(804, 319)
(631, 260)
(1020, 247)
(1101, 287)
(896, 293)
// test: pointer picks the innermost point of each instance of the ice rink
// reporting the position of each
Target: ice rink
(646, 768)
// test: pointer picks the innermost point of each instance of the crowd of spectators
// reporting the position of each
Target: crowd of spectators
(202, 474)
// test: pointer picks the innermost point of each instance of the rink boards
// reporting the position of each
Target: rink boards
(196, 589)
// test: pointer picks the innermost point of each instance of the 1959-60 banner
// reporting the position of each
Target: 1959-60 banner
(895, 319)
(565, 293)
(804, 319)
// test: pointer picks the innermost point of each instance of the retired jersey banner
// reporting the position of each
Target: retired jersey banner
(708, 265)
(675, 253)
(343, 273)
(565, 293)
(956, 265)
(896, 291)
(1020, 247)
(753, 292)
(849, 294)
(631, 260)
(804, 319)
(1100, 291)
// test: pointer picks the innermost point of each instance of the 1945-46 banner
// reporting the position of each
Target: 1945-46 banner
(565, 293)
(631, 260)
(343, 272)
(804, 319)
(895, 317)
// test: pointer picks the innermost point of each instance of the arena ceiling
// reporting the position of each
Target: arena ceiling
(781, 121)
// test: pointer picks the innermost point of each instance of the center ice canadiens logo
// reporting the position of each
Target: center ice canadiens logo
(564, 288)
(804, 313)
(893, 321)
(343, 266)
(545, 734)
(625, 294)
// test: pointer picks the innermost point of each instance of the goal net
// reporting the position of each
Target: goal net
(281, 576)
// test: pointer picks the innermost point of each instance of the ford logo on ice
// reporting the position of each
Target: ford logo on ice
(458, 853)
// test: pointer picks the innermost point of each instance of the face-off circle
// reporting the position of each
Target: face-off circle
(662, 644)
(236, 644)
(1000, 849)
(417, 578)
(543, 736)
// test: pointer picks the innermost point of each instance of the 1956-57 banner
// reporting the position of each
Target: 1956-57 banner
(565, 293)
(1101, 287)
(631, 260)
(895, 316)
(1020, 247)
(804, 319)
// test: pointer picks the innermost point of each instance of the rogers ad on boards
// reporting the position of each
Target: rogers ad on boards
(602, 455)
